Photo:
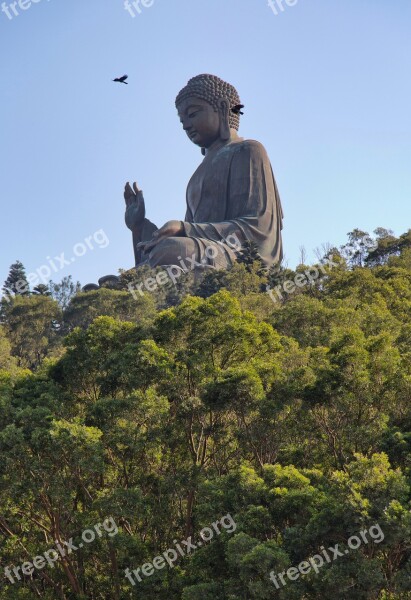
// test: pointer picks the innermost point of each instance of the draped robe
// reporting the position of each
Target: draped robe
(232, 193)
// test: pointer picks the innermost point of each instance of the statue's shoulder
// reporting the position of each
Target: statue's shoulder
(252, 147)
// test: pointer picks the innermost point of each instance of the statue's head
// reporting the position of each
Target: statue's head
(208, 108)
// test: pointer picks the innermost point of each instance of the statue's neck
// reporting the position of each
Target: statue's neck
(234, 137)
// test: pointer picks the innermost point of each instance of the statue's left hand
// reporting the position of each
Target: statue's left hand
(170, 229)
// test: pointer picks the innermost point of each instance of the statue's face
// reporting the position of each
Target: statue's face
(200, 121)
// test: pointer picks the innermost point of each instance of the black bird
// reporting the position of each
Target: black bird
(237, 109)
(121, 79)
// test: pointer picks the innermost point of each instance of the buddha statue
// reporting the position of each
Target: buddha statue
(232, 193)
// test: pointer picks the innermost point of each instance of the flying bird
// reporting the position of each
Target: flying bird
(121, 79)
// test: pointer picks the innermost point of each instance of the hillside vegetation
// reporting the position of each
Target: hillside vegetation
(169, 410)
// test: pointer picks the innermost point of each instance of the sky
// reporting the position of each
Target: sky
(326, 87)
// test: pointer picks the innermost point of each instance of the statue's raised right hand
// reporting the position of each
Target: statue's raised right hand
(135, 206)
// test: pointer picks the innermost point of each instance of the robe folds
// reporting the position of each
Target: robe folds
(231, 196)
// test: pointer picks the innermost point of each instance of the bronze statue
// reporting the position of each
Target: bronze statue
(232, 193)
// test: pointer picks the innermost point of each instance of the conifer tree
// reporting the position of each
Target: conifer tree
(249, 255)
(42, 290)
(16, 283)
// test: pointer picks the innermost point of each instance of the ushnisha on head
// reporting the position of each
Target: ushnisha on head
(209, 108)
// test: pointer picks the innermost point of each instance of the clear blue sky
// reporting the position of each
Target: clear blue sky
(327, 89)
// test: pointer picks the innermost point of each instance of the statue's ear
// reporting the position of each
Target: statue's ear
(224, 119)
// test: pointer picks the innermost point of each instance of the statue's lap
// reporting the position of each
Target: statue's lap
(175, 250)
